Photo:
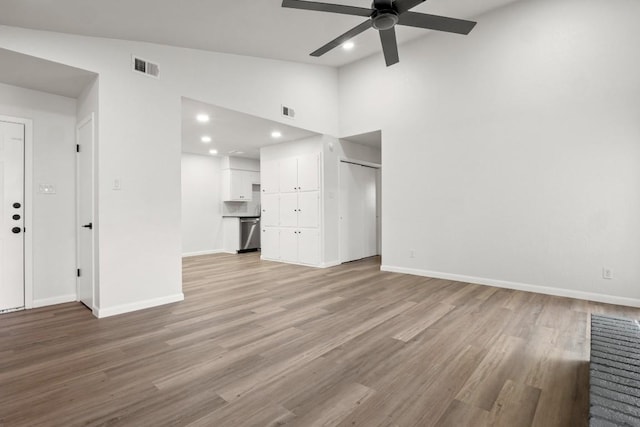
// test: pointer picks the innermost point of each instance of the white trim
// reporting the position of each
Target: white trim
(141, 305)
(560, 292)
(62, 299)
(330, 264)
(211, 252)
(28, 206)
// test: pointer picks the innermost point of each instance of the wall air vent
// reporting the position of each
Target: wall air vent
(288, 112)
(145, 67)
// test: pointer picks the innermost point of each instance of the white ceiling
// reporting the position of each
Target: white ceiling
(231, 131)
(38, 74)
(247, 27)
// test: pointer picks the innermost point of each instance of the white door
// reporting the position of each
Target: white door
(309, 246)
(308, 209)
(270, 243)
(289, 175)
(289, 244)
(309, 172)
(86, 220)
(358, 212)
(269, 176)
(11, 216)
(270, 210)
(368, 177)
(288, 209)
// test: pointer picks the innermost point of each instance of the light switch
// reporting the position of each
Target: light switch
(117, 185)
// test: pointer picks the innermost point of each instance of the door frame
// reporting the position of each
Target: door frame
(28, 205)
(377, 166)
(89, 119)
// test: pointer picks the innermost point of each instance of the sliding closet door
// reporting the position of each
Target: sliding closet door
(358, 223)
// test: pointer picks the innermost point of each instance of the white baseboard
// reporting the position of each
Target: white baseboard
(330, 264)
(560, 292)
(55, 300)
(211, 252)
(127, 308)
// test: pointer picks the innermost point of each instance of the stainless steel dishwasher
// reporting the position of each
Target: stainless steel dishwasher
(249, 234)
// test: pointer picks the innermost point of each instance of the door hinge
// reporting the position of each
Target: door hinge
(77, 148)
(78, 272)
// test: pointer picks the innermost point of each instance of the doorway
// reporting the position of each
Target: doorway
(359, 211)
(12, 216)
(85, 216)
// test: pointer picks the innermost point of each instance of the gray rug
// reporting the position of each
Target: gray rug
(615, 372)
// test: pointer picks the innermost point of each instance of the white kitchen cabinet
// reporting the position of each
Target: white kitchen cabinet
(300, 174)
(288, 175)
(270, 243)
(288, 209)
(308, 209)
(300, 245)
(270, 176)
(309, 246)
(289, 244)
(231, 234)
(299, 209)
(270, 210)
(236, 185)
(309, 173)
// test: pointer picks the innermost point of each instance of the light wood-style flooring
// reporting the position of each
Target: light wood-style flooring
(260, 344)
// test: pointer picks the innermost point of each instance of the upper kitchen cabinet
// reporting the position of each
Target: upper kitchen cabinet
(236, 185)
(300, 173)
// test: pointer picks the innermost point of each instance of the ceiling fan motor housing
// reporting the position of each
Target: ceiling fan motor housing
(384, 19)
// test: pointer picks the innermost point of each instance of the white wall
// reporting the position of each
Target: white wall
(517, 147)
(54, 120)
(201, 204)
(139, 230)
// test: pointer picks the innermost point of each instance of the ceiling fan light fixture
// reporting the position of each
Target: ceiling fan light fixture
(348, 45)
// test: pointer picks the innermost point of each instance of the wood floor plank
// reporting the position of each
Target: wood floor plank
(264, 343)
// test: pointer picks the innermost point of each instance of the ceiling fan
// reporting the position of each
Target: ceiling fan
(383, 15)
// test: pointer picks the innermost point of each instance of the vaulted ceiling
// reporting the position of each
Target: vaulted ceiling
(259, 28)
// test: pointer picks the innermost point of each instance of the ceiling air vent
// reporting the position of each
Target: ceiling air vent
(288, 112)
(145, 67)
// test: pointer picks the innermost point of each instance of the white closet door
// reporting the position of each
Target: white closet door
(270, 243)
(288, 175)
(270, 176)
(351, 230)
(369, 221)
(309, 246)
(289, 244)
(358, 218)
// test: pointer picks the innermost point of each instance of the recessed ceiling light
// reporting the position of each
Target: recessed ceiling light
(276, 134)
(206, 139)
(214, 152)
(348, 45)
(202, 118)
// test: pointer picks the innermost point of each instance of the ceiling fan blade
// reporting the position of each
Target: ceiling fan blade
(343, 38)
(327, 7)
(435, 22)
(403, 6)
(389, 46)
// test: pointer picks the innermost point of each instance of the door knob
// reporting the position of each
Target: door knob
(89, 226)
(17, 205)
(16, 217)
(16, 230)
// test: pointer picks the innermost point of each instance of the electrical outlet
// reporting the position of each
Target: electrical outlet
(412, 253)
(607, 273)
